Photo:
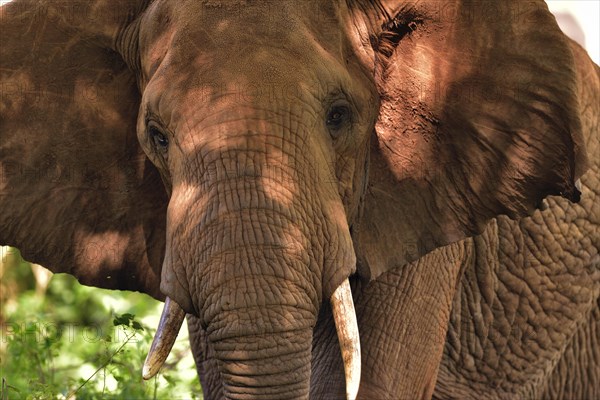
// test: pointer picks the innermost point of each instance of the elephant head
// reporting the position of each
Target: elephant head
(244, 159)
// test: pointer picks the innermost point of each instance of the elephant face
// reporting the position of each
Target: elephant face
(277, 123)
(278, 179)
(245, 158)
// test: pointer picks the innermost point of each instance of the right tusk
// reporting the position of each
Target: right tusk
(170, 323)
(347, 330)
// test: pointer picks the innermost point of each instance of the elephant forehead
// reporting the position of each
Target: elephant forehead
(265, 18)
(208, 37)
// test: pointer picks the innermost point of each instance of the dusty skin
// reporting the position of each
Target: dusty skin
(255, 161)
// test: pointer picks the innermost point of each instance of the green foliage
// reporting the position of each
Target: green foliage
(75, 342)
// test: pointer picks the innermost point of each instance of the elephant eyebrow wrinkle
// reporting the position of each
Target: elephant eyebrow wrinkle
(392, 32)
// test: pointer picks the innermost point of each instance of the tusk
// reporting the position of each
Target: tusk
(170, 323)
(347, 330)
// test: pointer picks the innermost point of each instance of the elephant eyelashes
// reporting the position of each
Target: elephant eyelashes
(159, 140)
(394, 31)
(338, 118)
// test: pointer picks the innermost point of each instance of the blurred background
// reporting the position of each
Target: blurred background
(580, 19)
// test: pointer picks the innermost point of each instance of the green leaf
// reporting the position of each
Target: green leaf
(137, 326)
(124, 319)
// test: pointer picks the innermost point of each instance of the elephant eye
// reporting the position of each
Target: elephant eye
(158, 139)
(337, 118)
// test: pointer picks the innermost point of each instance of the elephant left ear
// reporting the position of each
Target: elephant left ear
(479, 117)
(77, 193)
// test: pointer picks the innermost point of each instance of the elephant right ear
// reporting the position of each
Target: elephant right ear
(479, 117)
(77, 194)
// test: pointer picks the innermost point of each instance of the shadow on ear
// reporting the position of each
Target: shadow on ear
(77, 194)
(479, 117)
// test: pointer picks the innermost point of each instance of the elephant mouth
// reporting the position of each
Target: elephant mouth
(346, 326)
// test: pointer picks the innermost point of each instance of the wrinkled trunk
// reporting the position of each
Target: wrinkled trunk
(253, 276)
(264, 360)
(254, 243)
(258, 299)
(257, 291)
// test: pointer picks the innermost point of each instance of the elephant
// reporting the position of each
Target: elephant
(372, 199)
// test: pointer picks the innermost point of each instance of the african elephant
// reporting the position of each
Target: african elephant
(413, 183)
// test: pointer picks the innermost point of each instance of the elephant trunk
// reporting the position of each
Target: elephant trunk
(264, 352)
(251, 254)
(346, 326)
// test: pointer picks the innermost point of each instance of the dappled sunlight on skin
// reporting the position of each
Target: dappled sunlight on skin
(152, 58)
(70, 157)
(296, 243)
(260, 198)
(185, 196)
(97, 250)
(233, 108)
(83, 94)
(280, 193)
(262, 119)
(14, 87)
(421, 62)
(247, 175)
(3, 179)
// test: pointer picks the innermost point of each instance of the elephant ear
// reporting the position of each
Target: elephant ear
(479, 117)
(77, 194)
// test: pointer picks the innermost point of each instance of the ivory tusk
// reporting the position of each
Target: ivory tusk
(347, 331)
(170, 323)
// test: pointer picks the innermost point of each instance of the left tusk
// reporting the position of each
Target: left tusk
(347, 331)
(170, 323)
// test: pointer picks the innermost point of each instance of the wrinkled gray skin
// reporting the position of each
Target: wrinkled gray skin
(245, 157)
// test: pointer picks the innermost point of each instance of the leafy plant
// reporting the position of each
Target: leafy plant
(76, 342)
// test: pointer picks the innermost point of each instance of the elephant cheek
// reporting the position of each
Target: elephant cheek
(174, 285)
